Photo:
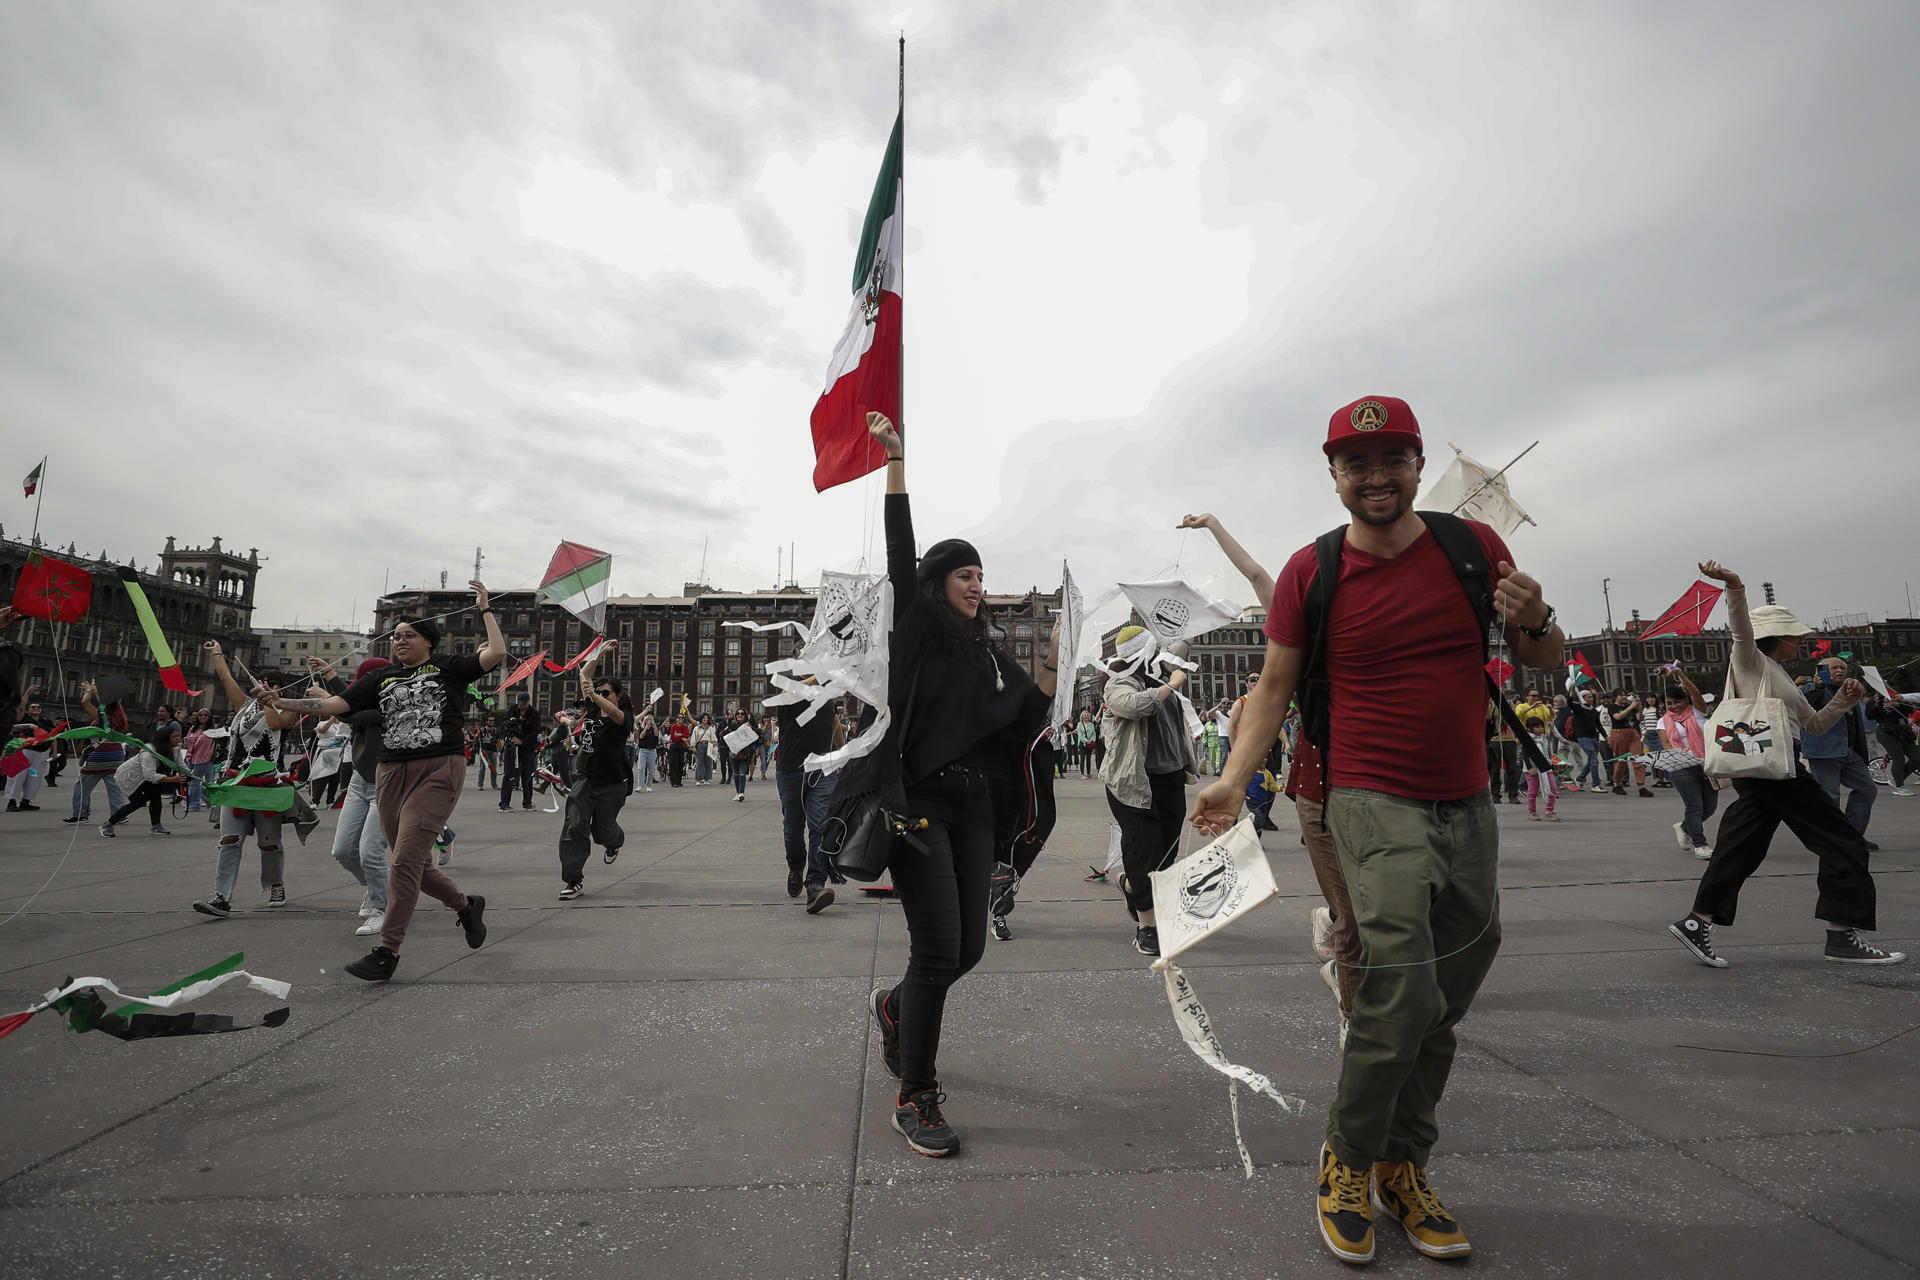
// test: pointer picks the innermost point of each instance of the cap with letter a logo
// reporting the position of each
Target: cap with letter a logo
(1372, 420)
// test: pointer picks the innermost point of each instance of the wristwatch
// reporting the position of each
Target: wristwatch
(1540, 632)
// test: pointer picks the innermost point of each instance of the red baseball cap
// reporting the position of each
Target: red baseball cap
(1373, 420)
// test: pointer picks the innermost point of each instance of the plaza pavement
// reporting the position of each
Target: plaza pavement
(675, 1076)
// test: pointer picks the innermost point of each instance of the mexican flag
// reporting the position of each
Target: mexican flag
(577, 581)
(864, 373)
(33, 477)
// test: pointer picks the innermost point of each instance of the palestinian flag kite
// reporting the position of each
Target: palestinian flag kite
(170, 675)
(32, 481)
(79, 1001)
(1686, 616)
(577, 581)
(1579, 671)
(52, 589)
(864, 373)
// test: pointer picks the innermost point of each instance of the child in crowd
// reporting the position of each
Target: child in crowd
(1538, 782)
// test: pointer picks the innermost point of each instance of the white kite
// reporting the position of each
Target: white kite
(1073, 617)
(845, 651)
(1477, 492)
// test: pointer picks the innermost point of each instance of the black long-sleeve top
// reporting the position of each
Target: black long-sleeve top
(955, 714)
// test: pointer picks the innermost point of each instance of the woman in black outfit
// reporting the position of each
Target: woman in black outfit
(969, 712)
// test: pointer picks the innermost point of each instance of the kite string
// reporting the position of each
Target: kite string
(60, 673)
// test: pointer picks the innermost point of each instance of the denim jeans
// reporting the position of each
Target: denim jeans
(645, 772)
(805, 799)
(486, 765)
(358, 844)
(702, 766)
(1699, 797)
(204, 774)
(741, 769)
(83, 793)
(1848, 771)
(1590, 747)
(235, 826)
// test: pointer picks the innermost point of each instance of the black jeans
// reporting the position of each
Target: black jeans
(593, 812)
(149, 794)
(326, 790)
(944, 895)
(1150, 838)
(676, 763)
(1846, 887)
(1503, 756)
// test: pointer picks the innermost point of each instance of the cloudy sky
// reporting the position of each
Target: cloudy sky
(368, 285)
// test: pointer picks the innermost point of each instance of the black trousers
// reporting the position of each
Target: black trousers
(1150, 838)
(149, 794)
(1502, 757)
(676, 763)
(943, 893)
(1747, 829)
(593, 813)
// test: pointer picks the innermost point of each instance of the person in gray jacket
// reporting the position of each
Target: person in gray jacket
(1149, 762)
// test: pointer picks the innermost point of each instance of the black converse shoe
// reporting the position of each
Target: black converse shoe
(470, 922)
(1696, 935)
(376, 966)
(277, 896)
(1846, 946)
(917, 1117)
(794, 883)
(214, 906)
(889, 1031)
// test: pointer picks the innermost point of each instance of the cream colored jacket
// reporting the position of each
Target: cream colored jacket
(1754, 675)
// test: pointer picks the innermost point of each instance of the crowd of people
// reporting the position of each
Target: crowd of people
(1380, 624)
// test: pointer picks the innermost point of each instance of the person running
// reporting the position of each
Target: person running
(806, 797)
(148, 781)
(259, 732)
(1402, 643)
(602, 779)
(422, 703)
(962, 702)
(743, 758)
(1762, 640)
(1149, 763)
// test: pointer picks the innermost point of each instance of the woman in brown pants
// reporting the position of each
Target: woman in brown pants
(422, 702)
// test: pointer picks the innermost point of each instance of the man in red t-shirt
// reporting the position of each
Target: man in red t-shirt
(1411, 822)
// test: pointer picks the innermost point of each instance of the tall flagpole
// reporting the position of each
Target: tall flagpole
(903, 226)
(40, 490)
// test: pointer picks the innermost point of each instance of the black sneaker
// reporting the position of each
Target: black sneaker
(28, 806)
(795, 883)
(1846, 946)
(610, 855)
(1000, 929)
(1619, 791)
(572, 891)
(1645, 794)
(819, 900)
(277, 896)
(1002, 885)
(82, 818)
(13, 806)
(1146, 940)
(214, 906)
(1696, 935)
(376, 966)
(470, 921)
(889, 1031)
(917, 1117)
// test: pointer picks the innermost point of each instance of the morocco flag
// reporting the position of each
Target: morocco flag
(52, 589)
(864, 373)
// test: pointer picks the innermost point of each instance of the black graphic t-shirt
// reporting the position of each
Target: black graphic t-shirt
(601, 751)
(422, 709)
(798, 741)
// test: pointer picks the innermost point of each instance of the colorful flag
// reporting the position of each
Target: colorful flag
(1686, 616)
(170, 675)
(1821, 648)
(52, 589)
(32, 481)
(864, 373)
(577, 581)
(1580, 669)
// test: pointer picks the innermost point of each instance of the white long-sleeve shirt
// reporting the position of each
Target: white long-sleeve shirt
(1752, 674)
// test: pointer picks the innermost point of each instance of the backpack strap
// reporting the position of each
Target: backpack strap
(1315, 693)
(1469, 560)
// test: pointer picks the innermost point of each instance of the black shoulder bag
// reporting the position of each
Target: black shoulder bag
(869, 827)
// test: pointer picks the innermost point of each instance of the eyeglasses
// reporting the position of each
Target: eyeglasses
(605, 693)
(1392, 468)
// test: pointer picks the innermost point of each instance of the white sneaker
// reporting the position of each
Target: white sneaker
(1323, 932)
(366, 906)
(1703, 851)
(739, 798)
(371, 925)
(1900, 791)
(1680, 834)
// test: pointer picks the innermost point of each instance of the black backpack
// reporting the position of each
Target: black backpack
(1464, 552)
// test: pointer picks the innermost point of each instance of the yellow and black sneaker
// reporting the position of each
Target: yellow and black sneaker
(1400, 1190)
(1346, 1220)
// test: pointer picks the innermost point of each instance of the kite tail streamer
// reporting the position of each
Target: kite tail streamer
(170, 674)
(1195, 1028)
